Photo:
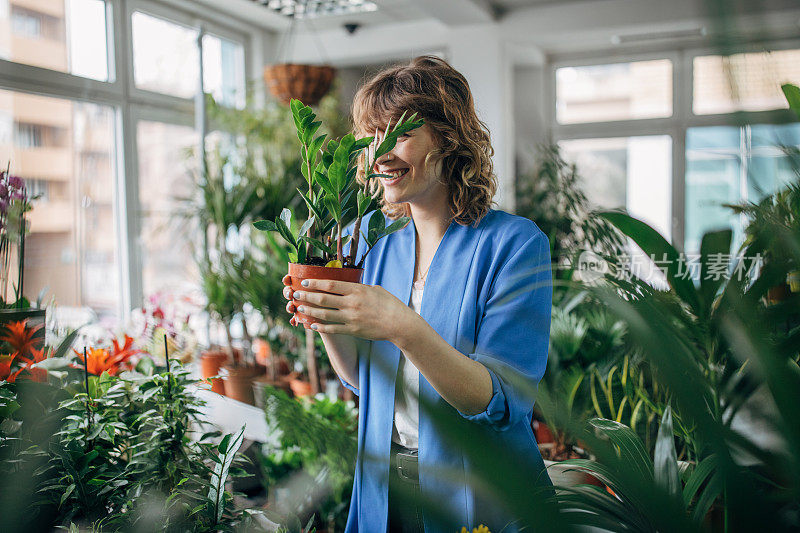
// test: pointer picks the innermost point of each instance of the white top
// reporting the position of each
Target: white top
(406, 405)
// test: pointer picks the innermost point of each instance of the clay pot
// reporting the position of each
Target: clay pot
(263, 381)
(542, 432)
(239, 383)
(300, 272)
(210, 363)
(300, 387)
(778, 293)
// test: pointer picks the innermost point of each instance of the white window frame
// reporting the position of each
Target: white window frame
(131, 104)
(675, 126)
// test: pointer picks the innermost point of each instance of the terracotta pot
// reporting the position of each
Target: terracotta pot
(778, 293)
(308, 83)
(263, 381)
(239, 383)
(300, 387)
(210, 363)
(301, 272)
(541, 432)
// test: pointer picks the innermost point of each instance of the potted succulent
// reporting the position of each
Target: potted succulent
(316, 252)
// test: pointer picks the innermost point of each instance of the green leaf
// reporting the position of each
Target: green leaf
(653, 244)
(398, 224)
(665, 462)
(265, 225)
(792, 94)
(227, 449)
(717, 244)
(630, 447)
(306, 225)
(334, 207)
(286, 216)
(377, 223)
(286, 233)
(362, 201)
(319, 245)
(326, 184)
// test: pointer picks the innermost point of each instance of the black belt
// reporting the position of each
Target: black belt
(404, 461)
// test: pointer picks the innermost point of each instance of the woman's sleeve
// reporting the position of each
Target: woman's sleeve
(514, 333)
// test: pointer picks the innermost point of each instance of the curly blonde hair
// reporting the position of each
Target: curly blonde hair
(439, 94)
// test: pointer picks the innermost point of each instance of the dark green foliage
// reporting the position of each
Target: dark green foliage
(314, 445)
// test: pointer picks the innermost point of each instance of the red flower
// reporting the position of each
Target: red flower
(99, 360)
(21, 337)
(5, 365)
(34, 374)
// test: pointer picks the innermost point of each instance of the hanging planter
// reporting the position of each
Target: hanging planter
(308, 83)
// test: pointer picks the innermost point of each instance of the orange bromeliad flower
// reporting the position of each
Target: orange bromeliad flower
(99, 360)
(21, 337)
(34, 374)
(5, 365)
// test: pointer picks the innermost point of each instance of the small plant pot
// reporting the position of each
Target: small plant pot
(778, 293)
(300, 387)
(210, 363)
(542, 432)
(300, 272)
(261, 382)
(239, 383)
(793, 278)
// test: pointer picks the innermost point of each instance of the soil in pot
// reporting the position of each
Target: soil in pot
(300, 272)
(210, 363)
(239, 382)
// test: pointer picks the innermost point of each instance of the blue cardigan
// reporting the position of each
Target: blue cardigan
(488, 293)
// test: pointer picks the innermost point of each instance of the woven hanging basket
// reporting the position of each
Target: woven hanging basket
(307, 83)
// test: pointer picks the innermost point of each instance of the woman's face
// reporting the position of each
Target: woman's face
(416, 183)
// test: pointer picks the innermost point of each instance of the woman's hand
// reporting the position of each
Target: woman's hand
(287, 293)
(366, 311)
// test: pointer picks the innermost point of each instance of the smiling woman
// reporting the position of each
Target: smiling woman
(471, 350)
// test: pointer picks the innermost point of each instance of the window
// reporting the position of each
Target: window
(164, 178)
(62, 35)
(599, 93)
(72, 248)
(730, 165)
(28, 135)
(165, 61)
(743, 82)
(629, 172)
(26, 23)
(624, 148)
(66, 141)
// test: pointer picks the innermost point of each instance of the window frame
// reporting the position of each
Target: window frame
(675, 126)
(131, 104)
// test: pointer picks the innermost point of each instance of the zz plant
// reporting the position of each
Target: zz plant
(334, 194)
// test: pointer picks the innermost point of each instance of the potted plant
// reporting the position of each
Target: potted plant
(14, 307)
(316, 251)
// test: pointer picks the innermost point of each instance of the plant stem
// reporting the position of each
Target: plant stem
(169, 376)
(86, 383)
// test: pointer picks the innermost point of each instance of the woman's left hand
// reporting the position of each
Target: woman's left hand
(366, 311)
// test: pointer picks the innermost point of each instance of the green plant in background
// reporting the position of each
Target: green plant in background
(318, 438)
(552, 196)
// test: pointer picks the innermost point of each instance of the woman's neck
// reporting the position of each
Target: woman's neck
(431, 223)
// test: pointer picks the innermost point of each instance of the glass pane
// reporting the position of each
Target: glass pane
(743, 82)
(634, 173)
(622, 91)
(223, 70)
(732, 165)
(63, 35)
(164, 56)
(167, 263)
(65, 151)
